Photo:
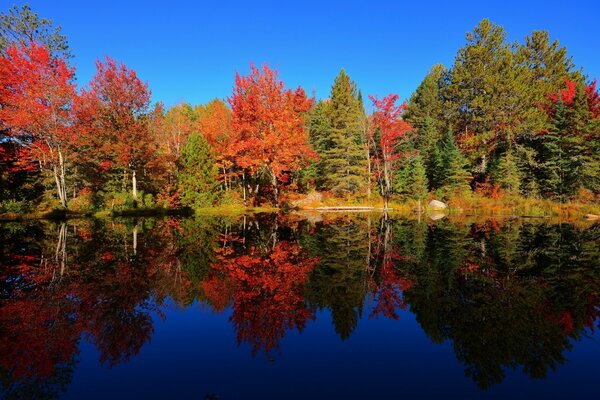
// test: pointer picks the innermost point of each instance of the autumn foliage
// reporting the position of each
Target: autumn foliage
(36, 94)
(269, 126)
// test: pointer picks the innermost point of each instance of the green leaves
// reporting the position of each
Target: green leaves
(198, 174)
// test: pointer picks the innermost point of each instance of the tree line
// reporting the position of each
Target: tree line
(507, 119)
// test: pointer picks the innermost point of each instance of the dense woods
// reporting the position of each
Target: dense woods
(505, 121)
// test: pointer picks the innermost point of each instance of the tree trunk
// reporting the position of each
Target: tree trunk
(61, 248)
(134, 185)
(61, 161)
(244, 186)
(275, 191)
(135, 235)
(368, 172)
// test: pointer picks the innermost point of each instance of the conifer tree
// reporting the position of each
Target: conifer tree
(198, 174)
(426, 105)
(456, 176)
(489, 97)
(508, 173)
(320, 140)
(418, 183)
(344, 163)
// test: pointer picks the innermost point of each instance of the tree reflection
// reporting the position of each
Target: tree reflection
(267, 292)
(507, 295)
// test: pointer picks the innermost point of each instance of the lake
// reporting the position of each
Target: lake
(269, 306)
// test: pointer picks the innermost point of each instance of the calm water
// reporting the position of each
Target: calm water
(267, 306)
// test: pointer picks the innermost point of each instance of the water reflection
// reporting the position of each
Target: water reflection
(510, 295)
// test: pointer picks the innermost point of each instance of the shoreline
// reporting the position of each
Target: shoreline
(526, 209)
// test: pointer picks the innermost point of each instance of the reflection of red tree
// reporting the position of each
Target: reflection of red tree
(36, 335)
(217, 290)
(267, 297)
(391, 286)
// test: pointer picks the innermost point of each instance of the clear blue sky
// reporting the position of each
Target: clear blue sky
(190, 50)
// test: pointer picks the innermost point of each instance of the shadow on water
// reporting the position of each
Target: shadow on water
(512, 295)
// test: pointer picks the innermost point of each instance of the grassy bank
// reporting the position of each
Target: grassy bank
(470, 205)
(460, 206)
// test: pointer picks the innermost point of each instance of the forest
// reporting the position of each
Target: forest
(506, 125)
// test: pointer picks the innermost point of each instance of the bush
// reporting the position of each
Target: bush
(83, 202)
(13, 206)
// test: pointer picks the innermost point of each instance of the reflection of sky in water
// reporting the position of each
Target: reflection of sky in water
(193, 353)
(492, 294)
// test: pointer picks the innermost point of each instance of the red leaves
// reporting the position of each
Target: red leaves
(36, 92)
(593, 99)
(569, 94)
(267, 293)
(268, 123)
(388, 119)
(110, 116)
(566, 95)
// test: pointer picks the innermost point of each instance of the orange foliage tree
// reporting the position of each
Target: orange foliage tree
(214, 123)
(268, 121)
(112, 115)
(36, 93)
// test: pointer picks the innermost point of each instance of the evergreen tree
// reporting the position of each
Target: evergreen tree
(320, 140)
(426, 141)
(426, 105)
(508, 173)
(548, 63)
(344, 162)
(456, 177)
(198, 174)
(24, 25)
(489, 96)
(418, 179)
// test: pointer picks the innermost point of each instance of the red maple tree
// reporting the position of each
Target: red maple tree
(36, 93)
(269, 125)
(111, 115)
(387, 119)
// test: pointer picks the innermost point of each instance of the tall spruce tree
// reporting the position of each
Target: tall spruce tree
(418, 183)
(456, 176)
(569, 157)
(508, 173)
(344, 162)
(320, 140)
(198, 174)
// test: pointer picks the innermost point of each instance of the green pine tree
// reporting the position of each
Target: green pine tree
(198, 184)
(455, 174)
(426, 104)
(508, 173)
(418, 183)
(344, 164)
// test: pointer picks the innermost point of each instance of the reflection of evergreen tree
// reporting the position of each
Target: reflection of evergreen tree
(197, 240)
(508, 296)
(339, 281)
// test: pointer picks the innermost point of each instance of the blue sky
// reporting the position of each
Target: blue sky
(190, 50)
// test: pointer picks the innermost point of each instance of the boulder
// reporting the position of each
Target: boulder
(436, 205)
(436, 216)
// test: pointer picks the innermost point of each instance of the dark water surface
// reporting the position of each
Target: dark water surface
(280, 307)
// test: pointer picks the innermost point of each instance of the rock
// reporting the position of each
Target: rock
(311, 200)
(436, 216)
(437, 205)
